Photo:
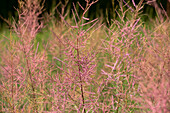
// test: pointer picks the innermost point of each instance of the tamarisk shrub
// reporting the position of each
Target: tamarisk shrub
(77, 73)
(124, 70)
(152, 70)
(121, 47)
(23, 68)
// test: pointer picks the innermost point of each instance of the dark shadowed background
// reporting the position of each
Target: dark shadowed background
(105, 8)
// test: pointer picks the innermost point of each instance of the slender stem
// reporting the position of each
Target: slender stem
(12, 74)
(30, 76)
(12, 89)
(79, 69)
(32, 86)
